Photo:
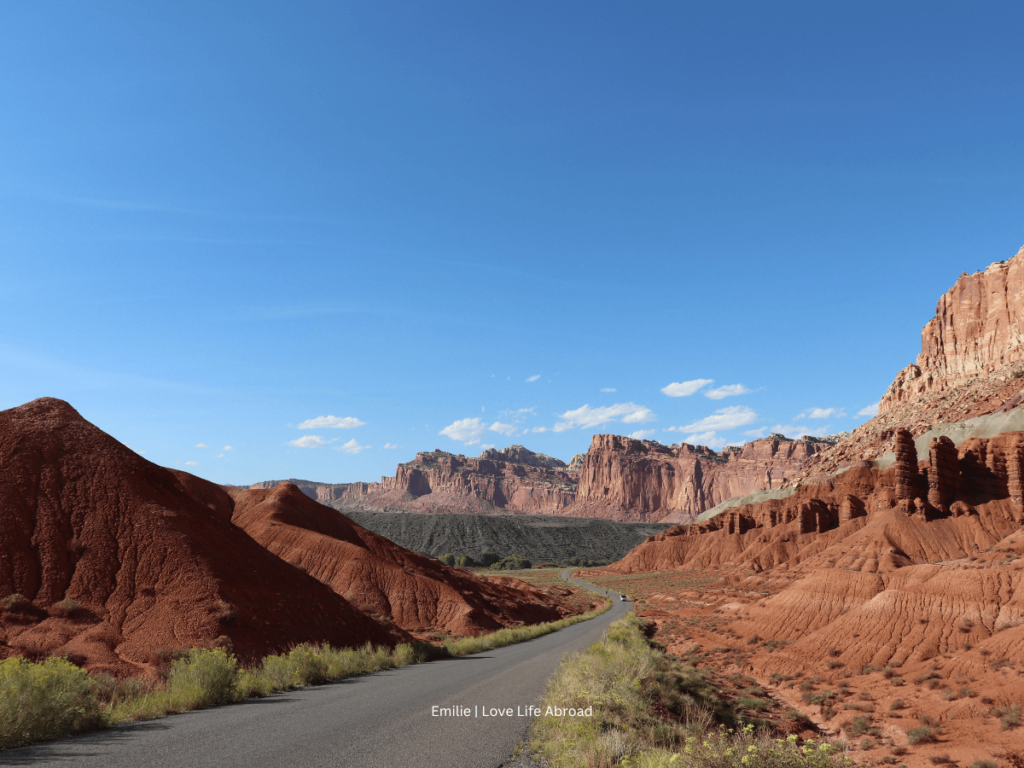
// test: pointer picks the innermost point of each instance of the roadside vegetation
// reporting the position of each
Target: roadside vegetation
(54, 698)
(652, 710)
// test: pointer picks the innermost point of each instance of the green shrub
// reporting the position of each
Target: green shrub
(15, 603)
(65, 609)
(512, 563)
(203, 678)
(922, 734)
(48, 700)
(1009, 717)
(984, 764)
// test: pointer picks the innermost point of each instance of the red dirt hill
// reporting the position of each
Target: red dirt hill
(414, 591)
(150, 553)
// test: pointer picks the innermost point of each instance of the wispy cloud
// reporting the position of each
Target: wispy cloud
(191, 463)
(608, 389)
(869, 410)
(392, 446)
(534, 378)
(587, 417)
(725, 418)
(643, 434)
(310, 441)
(332, 422)
(219, 456)
(729, 390)
(352, 447)
(506, 429)
(200, 445)
(227, 448)
(822, 413)
(539, 429)
(685, 388)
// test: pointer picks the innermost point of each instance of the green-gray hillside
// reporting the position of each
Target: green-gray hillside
(538, 538)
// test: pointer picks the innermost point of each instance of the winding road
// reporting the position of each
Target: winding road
(386, 719)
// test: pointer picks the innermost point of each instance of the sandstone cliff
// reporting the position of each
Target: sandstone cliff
(438, 481)
(619, 478)
(972, 355)
(978, 330)
(629, 479)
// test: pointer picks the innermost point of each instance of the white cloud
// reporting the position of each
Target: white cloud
(822, 413)
(533, 378)
(685, 388)
(468, 431)
(608, 389)
(586, 417)
(724, 418)
(227, 448)
(505, 429)
(643, 434)
(392, 446)
(309, 441)
(729, 390)
(756, 433)
(191, 463)
(539, 429)
(219, 456)
(332, 422)
(485, 446)
(352, 447)
(711, 439)
(200, 445)
(869, 410)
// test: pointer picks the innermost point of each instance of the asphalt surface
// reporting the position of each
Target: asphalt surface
(385, 719)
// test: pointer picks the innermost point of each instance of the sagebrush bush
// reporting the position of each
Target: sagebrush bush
(44, 701)
(203, 678)
(65, 609)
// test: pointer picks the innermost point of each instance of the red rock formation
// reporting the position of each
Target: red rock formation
(438, 481)
(943, 473)
(150, 553)
(822, 525)
(907, 475)
(978, 329)
(629, 479)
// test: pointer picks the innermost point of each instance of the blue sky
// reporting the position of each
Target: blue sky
(267, 240)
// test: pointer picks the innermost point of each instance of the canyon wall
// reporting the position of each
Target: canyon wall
(619, 478)
(978, 330)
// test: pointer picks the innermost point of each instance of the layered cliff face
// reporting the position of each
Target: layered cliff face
(978, 330)
(438, 481)
(628, 479)
(972, 356)
(619, 478)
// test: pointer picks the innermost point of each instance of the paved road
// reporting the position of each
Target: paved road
(384, 719)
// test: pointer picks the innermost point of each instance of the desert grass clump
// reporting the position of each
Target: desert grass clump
(15, 603)
(65, 609)
(1009, 717)
(922, 734)
(48, 700)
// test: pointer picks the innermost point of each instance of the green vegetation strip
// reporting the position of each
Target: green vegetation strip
(651, 710)
(53, 699)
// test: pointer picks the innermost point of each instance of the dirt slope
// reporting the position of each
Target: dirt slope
(414, 591)
(150, 553)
